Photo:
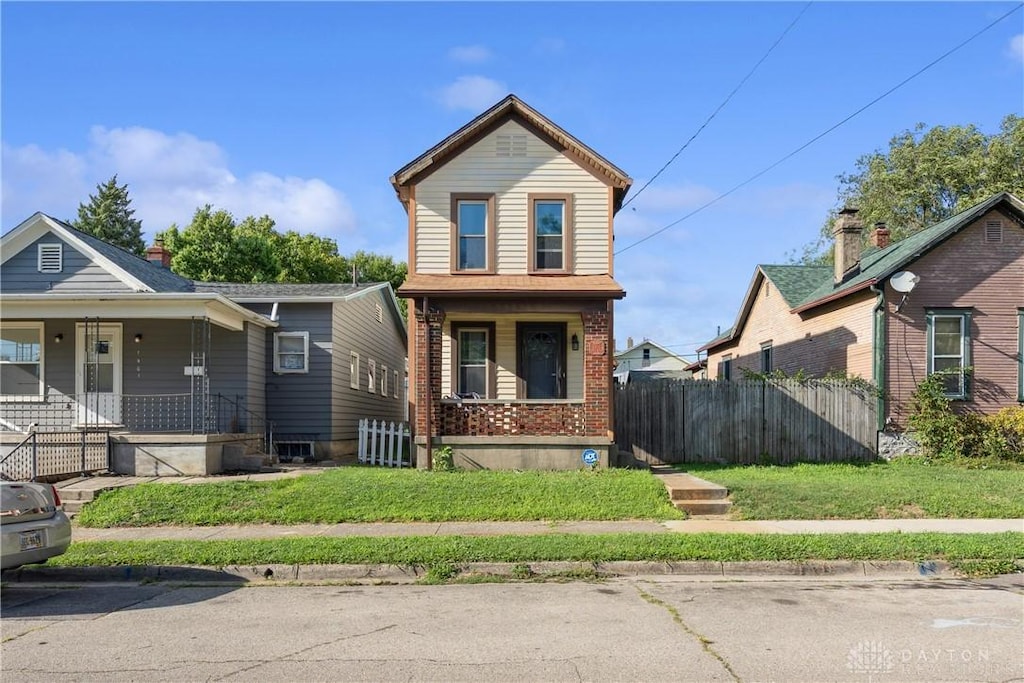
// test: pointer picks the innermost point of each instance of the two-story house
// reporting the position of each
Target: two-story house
(510, 277)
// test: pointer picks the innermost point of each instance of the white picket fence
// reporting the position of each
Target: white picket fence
(383, 443)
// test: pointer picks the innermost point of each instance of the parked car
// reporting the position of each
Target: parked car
(34, 526)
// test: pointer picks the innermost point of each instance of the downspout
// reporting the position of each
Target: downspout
(880, 336)
(427, 407)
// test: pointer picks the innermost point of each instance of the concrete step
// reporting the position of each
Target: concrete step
(699, 493)
(84, 495)
(704, 507)
(73, 507)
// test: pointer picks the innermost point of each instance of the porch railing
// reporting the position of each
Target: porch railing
(42, 454)
(512, 418)
(140, 413)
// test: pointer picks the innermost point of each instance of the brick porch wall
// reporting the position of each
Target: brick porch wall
(513, 419)
(597, 371)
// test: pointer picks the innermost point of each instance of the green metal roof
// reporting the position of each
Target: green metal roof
(795, 283)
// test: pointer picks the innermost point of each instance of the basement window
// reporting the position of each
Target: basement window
(286, 450)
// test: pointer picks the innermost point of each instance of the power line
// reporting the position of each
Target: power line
(810, 142)
(721, 106)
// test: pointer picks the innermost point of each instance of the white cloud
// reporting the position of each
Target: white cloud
(168, 177)
(475, 93)
(1016, 48)
(469, 54)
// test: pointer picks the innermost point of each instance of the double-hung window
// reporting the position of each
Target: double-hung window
(550, 226)
(474, 353)
(473, 233)
(949, 349)
(766, 357)
(291, 352)
(21, 359)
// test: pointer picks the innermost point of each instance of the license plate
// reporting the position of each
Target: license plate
(30, 540)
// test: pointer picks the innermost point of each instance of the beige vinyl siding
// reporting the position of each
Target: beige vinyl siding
(512, 179)
(840, 337)
(506, 356)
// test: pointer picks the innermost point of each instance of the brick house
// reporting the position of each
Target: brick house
(966, 310)
(510, 281)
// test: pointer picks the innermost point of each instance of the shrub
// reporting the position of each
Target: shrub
(444, 459)
(945, 434)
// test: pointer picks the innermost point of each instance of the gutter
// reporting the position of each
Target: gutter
(880, 332)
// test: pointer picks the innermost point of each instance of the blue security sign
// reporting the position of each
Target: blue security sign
(590, 456)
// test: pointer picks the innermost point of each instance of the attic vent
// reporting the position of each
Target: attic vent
(994, 231)
(378, 313)
(51, 258)
(510, 146)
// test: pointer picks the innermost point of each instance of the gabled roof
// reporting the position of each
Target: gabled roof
(565, 286)
(511, 108)
(807, 287)
(135, 272)
(648, 342)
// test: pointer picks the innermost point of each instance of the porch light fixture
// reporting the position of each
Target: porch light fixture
(575, 343)
(58, 338)
(138, 337)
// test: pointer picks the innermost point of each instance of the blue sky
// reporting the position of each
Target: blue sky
(304, 110)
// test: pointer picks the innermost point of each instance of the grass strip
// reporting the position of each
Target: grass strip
(429, 550)
(903, 488)
(355, 494)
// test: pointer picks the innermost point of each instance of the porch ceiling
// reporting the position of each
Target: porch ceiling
(546, 286)
(173, 306)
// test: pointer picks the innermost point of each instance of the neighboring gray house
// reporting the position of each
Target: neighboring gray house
(648, 357)
(93, 338)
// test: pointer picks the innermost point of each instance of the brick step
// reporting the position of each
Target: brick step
(704, 507)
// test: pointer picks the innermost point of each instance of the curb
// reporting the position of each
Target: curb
(271, 574)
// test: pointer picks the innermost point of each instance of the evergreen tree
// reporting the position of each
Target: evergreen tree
(108, 216)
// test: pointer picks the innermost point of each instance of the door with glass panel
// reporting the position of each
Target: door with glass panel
(98, 373)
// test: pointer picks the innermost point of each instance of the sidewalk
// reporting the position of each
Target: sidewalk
(688, 526)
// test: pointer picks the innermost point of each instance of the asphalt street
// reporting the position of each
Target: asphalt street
(666, 628)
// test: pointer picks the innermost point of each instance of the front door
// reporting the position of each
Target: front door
(542, 360)
(98, 373)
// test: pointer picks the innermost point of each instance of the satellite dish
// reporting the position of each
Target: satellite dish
(904, 281)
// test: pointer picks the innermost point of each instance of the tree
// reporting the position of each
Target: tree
(927, 176)
(108, 216)
(214, 248)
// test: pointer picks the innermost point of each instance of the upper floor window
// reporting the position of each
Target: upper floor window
(550, 233)
(21, 359)
(291, 352)
(949, 349)
(647, 358)
(473, 233)
(725, 367)
(50, 258)
(353, 370)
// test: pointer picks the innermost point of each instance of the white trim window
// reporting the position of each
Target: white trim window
(291, 352)
(383, 381)
(949, 350)
(394, 385)
(50, 257)
(353, 370)
(21, 360)
(371, 375)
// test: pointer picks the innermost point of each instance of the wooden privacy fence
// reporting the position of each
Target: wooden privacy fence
(746, 421)
(384, 443)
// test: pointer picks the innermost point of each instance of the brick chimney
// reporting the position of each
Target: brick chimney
(880, 236)
(629, 342)
(847, 231)
(158, 255)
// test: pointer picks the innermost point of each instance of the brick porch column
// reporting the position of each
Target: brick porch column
(428, 332)
(596, 372)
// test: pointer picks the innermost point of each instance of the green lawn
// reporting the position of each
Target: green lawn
(355, 494)
(900, 489)
(432, 550)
